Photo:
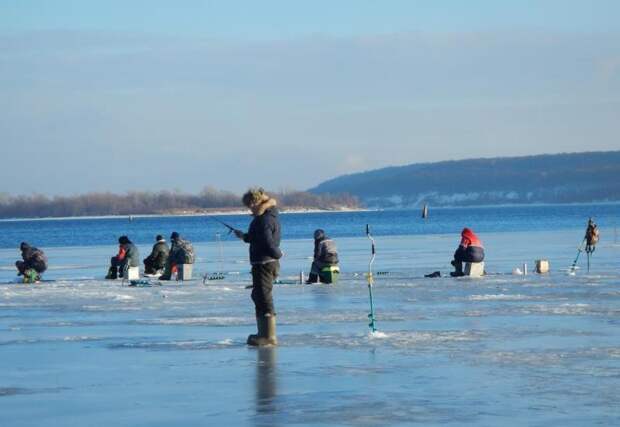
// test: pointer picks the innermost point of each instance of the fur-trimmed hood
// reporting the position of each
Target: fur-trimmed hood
(266, 203)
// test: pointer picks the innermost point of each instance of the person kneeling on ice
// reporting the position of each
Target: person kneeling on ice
(128, 256)
(33, 265)
(156, 261)
(181, 252)
(470, 250)
(264, 239)
(325, 259)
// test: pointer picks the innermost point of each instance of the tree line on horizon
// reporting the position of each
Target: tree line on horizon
(162, 202)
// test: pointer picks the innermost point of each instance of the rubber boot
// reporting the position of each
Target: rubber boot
(112, 273)
(266, 331)
(260, 326)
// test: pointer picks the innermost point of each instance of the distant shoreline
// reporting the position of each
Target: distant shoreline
(223, 212)
(214, 212)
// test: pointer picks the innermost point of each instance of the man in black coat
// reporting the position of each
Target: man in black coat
(264, 238)
(156, 261)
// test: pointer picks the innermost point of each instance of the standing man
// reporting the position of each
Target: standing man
(264, 239)
(592, 236)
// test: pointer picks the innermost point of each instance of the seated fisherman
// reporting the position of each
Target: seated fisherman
(325, 255)
(156, 261)
(181, 252)
(128, 256)
(470, 250)
(33, 265)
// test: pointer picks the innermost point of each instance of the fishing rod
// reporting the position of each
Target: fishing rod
(371, 315)
(231, 229)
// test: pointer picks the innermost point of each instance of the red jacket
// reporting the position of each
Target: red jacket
(121, 252)
(469, 238)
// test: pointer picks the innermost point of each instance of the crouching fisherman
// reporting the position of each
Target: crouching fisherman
(128, 256)
(470, 250)
(181, 252)
(156, 261)
(33, 264)
(325, 264)
(264, 238)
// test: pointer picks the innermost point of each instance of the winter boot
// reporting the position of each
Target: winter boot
(312, 278)
(167, 274)
(260, 326)
(266, 331)
(458, 269)
(112, 273)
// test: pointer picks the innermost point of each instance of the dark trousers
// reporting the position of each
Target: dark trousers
(469, 254)
(22, 266)
(263, 276)
(150, 267)
(118, 265)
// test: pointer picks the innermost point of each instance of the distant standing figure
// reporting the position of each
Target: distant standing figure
(470, 250)
(592, 236)
(325, 255)
(156, 261)
(181, 252)
(128, 256)
(33, 264)
(264, 239)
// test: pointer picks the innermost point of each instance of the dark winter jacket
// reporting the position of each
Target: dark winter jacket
(34, 258)
(159, 254)
(325, 252)
(181, 252)
(264, 234)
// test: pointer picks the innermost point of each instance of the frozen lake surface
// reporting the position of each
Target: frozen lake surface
(500, 350)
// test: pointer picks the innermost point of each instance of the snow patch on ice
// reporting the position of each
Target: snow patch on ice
(202, 321)
(499, 297)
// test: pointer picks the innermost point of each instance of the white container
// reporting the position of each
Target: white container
(184, 271)
(133, 273)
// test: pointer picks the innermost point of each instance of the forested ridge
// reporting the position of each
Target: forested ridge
(163, 202)
(553, 178)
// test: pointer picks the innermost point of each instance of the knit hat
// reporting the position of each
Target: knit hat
(159, 237)
(174, 235)
(123, 240)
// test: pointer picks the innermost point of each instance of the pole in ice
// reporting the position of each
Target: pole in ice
(371, 315)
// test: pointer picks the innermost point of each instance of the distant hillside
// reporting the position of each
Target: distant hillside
(554, 178)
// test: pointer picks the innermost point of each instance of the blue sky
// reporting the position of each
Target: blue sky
(148, 95)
